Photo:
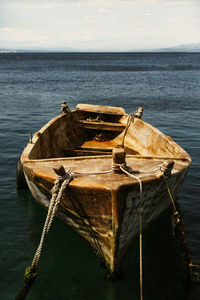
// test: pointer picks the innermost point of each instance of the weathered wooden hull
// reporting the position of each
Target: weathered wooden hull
(108, 218)
(99, 204)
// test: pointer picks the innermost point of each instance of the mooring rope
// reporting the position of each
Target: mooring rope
(57, 193)
(192, 269)
(137, 114)
(170, 195)
(140, 211)
(130, 119)
(58, 190)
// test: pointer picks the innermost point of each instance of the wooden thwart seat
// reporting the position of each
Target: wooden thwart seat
(103, 126)
(87, 152)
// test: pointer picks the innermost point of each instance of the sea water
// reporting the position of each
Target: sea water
(32, 86)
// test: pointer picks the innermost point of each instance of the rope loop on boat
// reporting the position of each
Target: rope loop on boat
(116, 167)
(58, 191)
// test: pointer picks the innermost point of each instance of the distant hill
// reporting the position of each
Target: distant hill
(190, 47)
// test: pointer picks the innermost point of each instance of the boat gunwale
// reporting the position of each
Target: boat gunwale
(84, 157)
(144, 176)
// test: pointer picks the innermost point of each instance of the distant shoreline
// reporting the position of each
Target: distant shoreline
(183, 48)
(94, 52)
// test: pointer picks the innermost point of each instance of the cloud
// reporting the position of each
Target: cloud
(30, 4)
(5, 29)
(103, 24)
(104, 10)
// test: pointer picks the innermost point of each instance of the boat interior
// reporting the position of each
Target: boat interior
(83, 141)
(95, 130)
(81, 133)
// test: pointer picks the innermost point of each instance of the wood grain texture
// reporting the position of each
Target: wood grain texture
(99, 204)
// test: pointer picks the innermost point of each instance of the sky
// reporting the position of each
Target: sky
(113, 25)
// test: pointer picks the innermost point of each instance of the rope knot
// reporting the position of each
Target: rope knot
(63, 174)
(138, 113)
(69, 175)
(64, 107)
(164, 169)
(30, 273)
(140, 211)
(118, 160)
(117, 167)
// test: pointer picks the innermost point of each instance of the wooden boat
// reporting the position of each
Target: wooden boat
(102, 202)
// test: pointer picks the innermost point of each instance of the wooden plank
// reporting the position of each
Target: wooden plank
(81, 152)
(102, 149)
(159, 157)
(103, 126)
(102, 109)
